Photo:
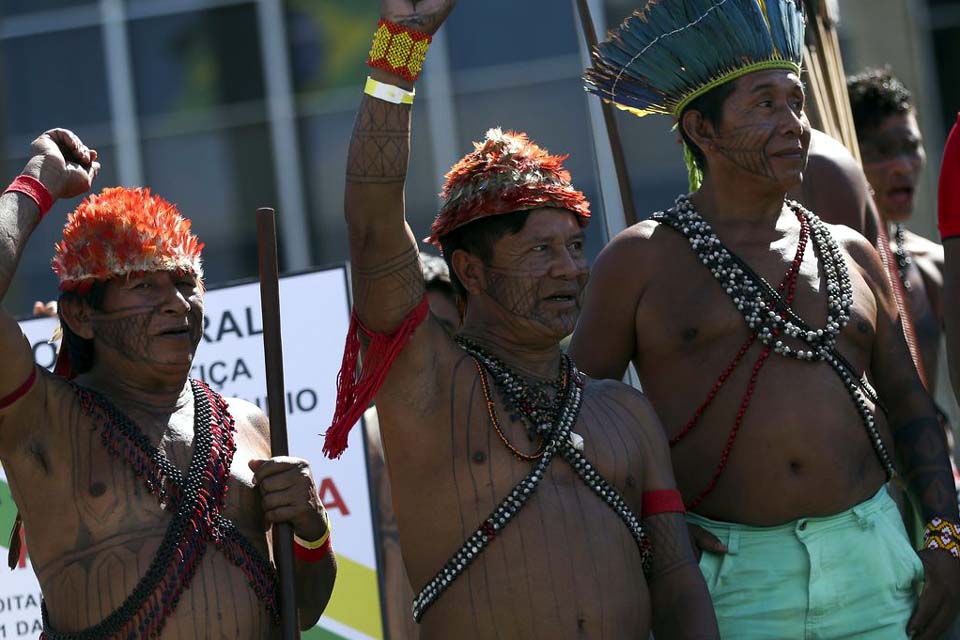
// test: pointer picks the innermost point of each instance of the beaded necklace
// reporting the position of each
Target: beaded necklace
(903, 257)
(196, 502)
(769, 316)
(557, 439)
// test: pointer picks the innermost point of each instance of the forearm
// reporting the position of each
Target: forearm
(314, 585)
(386, 273)
(922, 451)
(679, 598)
(19, 216)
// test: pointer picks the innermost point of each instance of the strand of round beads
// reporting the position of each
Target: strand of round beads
(492, 414)
(769, 315)
(903, 258)
(556, 440)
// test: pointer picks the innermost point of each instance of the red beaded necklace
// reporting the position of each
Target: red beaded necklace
(788, 284)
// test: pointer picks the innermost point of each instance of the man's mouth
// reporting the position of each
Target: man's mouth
(176, 332)
(563, 297)
(901, 194)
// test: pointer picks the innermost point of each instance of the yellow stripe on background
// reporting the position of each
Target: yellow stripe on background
(356, 598)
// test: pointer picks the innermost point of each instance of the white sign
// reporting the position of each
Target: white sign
(315, 317)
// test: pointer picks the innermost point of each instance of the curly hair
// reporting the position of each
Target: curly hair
(876, 94)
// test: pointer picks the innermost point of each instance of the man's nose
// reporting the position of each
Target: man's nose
(174, 301)
(566, 265)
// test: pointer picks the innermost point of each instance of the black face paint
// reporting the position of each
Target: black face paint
(527, 295)
(747, 148)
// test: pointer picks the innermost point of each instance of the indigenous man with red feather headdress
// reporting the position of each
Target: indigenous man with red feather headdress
(531, 501)
(146, 495)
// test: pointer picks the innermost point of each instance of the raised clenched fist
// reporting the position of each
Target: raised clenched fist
(64, 165)
(425, 16)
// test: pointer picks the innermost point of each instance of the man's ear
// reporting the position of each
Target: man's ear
(75, 313)
(699, 130)
(470, 271)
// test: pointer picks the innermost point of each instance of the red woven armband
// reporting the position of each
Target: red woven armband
(312, 555)
(355, 391)
(33, 189)
(399, 50)
(948, 209)
(662, 501)
(20, 391)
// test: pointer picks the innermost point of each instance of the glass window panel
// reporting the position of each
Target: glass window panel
(16, 7)
(328, 42)
(555, 116)
(496, 32)
(947, 55)
(324, 142)
(196, 60)
(217, 179)
(34, 279)
(47, 84)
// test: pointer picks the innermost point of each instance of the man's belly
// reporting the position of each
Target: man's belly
(565, 567)
(219, 602)
(801, 449)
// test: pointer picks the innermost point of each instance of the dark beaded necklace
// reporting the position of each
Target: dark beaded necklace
(770, 317)
(557, 440)
(196, 502)
(903, 257)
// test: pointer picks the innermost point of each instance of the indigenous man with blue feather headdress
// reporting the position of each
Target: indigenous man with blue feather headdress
(769, 344)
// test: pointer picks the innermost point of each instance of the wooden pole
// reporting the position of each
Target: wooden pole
(277, 409)
(613, 132)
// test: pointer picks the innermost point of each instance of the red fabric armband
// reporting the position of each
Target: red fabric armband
(662, 501)
(33, 189)
(355, 392)
(312, 555)
(20, 391)
(948, 210)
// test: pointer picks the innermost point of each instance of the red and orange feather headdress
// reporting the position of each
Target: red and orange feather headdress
(122, 231)
(505, 173)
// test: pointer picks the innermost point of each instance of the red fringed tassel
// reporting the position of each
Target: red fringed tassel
(355, 392)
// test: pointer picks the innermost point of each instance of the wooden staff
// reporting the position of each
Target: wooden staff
(613, 132)
(277, 408)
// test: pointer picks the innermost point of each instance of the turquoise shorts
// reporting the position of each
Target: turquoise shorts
(851, 575)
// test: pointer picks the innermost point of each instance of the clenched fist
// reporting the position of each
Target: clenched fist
(425, 16)
(65, 166)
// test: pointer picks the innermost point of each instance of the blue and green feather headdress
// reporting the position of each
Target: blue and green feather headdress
(671, 52)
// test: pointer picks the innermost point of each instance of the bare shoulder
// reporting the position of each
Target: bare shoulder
(634, 403)
(924, 249)
(251, 422)
(834, 185)
(636, 248)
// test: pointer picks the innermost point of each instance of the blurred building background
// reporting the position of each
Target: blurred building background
(226, 105)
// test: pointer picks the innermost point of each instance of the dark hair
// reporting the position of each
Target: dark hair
(874, 95)
(710, 106)
(478, 238)
(80, 349)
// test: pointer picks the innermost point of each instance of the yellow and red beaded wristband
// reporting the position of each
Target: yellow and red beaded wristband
(399, 50)
(315, 550)
(942, 534)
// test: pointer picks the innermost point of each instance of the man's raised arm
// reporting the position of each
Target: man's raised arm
(60, 166)
(386, 274)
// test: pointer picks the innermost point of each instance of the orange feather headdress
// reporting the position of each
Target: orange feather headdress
(122, 231)
(505, 173)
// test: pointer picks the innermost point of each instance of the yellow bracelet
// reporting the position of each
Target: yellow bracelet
(315, 544)
(388, 92)
(399, 50)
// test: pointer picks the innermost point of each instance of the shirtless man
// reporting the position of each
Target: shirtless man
(114, 559)
(777, 453)
(893, 157)
(563, 556)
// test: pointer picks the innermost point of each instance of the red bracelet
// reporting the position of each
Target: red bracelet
(662, 501)
(312, 555)
(33, 189)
